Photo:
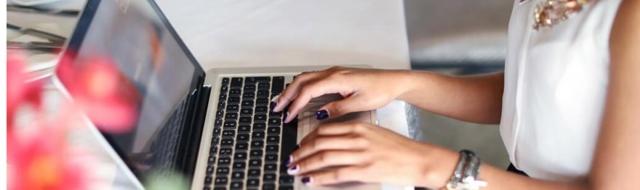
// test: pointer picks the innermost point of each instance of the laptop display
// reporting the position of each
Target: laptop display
(147, 52)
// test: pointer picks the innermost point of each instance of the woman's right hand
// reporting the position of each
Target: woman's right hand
(361, 89)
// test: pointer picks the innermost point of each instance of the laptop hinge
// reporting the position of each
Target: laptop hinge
(190, 143)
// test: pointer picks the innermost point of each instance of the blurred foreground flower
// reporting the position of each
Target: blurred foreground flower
(38, 153)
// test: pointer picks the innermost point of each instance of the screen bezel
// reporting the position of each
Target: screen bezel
(183, 163)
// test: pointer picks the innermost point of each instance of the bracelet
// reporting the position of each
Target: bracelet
(466, 173)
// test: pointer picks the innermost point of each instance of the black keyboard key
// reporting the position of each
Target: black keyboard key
(236, 185)
(273, 130)
(253, 182)
(257, 135)
(228, 133)
(227, 142)
(260, 117)
(244, 129)
(231, 116)
(207, 180)
(221, 180)
(268, 186)
(219, 113)
(225, 81)
(271, 167)
(233, 108)
(214, 148)
(246, 111)
(222, 97)
(236, 82)
(219, 188)
(211, 160)
(262, 101)
(222, 171)
(255, 163)
(281, 187)
(263, 86)
(262, 79)
(216, 131)
(273, 140)
(275, 121)
(263, 94)
(254, 173)
(245, 120)
(225, 152)
(235, 92)
(224, 161)
(242, 137)
(233, 100)
(261, 109)
(256, 153)
(241, 146)
(230, 124)
(223, 89)
(247, 103)
(272, 148)
(271, 158)
(268, 178)
(239, 165)
(240, 156)
(237, 175)
(277, 85)
(218, 122)
(257, 144)
(259, 126)
(221, 105)
(286, 179)
(248, 96)
(209, 169)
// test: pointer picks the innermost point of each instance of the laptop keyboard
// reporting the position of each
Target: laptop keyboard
(247, 150)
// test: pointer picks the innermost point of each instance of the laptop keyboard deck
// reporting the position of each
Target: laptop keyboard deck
(248, 150)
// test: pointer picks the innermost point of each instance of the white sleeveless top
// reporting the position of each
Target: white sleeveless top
(555, 86)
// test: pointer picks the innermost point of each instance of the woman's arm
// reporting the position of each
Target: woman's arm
(469, 98)
(616, 163)
(337, 153)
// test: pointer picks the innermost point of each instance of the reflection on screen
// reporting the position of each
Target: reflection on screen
(133, 35)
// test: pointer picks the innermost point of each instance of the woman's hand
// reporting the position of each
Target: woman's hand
(362, 89)
(359, 152)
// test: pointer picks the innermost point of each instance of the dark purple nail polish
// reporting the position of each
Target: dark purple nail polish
(295, 167)
(322, 114)
(306, 180)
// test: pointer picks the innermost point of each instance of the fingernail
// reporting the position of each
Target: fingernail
(306, 180)
(290, 160)
(322, 114)
(293, 170)
(287, 119)
(275, 98)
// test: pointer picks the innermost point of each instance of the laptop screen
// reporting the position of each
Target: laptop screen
(133, 35)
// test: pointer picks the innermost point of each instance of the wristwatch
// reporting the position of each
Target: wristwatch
(465, 175)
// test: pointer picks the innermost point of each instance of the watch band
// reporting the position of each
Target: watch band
(466, 172)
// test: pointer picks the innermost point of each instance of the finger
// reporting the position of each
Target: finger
(329, 129)
(292, 89)
(336, 175)
(307, 92)
(324, 143)
(326, 159)
(353, 103)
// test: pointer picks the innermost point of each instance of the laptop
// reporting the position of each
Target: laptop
(214, 127)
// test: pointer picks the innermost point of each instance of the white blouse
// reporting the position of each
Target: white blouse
(555, 86)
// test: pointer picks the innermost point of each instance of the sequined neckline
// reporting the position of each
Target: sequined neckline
(551, 12)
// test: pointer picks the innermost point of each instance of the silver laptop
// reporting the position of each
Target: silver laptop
(217, 127)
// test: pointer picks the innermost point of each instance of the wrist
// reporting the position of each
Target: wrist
(406, 82)
(437, 167)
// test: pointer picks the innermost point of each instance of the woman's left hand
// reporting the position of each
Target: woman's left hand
(360, 152)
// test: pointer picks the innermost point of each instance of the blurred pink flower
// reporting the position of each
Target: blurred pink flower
(108, 98)
(19, 91)
(41, 161)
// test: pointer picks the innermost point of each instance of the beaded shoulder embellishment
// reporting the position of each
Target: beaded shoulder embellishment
(552, 12)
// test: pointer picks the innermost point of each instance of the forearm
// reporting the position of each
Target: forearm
(440, 163)
(469, 98)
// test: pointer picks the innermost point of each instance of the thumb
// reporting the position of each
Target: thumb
(339, 108)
